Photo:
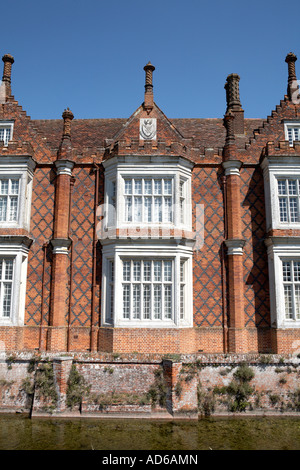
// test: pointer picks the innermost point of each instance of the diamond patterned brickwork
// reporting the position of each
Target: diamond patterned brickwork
(257, 310)
(82, 230)
(207, 271)
(42, 210)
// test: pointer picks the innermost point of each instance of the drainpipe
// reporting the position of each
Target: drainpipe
(43, 296)
(71, 262)
(93, 315)
(225, 313)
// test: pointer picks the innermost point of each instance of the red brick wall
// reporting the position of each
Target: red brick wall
(256, 279)
(41, 227)
(207, 272)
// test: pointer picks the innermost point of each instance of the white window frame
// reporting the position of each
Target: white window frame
(288, 196)
(292, 130)
(4, 281)
(8, 196)
(291, 283)
(7, 125)
(281, 249)
(163, 216)
(136, 310)
(176, 168)
(274, 169)
(17, 251)
(118, 253)
(20, 168)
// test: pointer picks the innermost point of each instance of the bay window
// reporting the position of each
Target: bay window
(282, 192)
(282, 197)
(16, 176)
(13, 274)
(147, 287)
(284, 276)
(152, 192)
(147, 278)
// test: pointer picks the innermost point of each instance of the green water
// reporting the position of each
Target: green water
(18, 432)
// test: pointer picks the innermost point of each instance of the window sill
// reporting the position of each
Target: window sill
(149, 325)
(6, 322)
(289, 324)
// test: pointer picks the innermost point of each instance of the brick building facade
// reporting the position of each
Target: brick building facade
(151, 234)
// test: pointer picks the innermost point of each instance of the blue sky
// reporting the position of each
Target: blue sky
(89, 55)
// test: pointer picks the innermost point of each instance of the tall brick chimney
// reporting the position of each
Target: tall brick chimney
(234, 103)
(293, 87)
(67, 116)
(229, 146)
(148, 101)
(65, 148)
(6, 79)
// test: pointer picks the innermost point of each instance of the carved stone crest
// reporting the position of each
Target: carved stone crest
(148, 129)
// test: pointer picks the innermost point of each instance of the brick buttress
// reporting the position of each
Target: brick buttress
(57, 333)
(234, 242)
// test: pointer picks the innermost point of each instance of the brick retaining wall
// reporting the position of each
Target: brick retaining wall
(149, 385)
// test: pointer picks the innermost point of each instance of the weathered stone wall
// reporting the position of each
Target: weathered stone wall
(107, 385)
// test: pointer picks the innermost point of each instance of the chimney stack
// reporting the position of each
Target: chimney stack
(65, 148)
(233, 92)
(67, 116)
(230, 145)
(234, 103)
(148, 102)
(6, 79)
(293, 87)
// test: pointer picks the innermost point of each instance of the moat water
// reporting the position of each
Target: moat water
(18, 432)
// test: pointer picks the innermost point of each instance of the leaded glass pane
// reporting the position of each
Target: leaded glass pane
(288, 302)
(126, 301)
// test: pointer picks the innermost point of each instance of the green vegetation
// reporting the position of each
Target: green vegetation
(77, 388)
(157, 393)
(206, 401)
(239, 390)
(104, 400)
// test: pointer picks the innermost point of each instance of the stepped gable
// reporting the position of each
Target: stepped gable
(24, 130)
(272, 129)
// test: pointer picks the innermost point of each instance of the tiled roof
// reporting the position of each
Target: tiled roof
(91, 133)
